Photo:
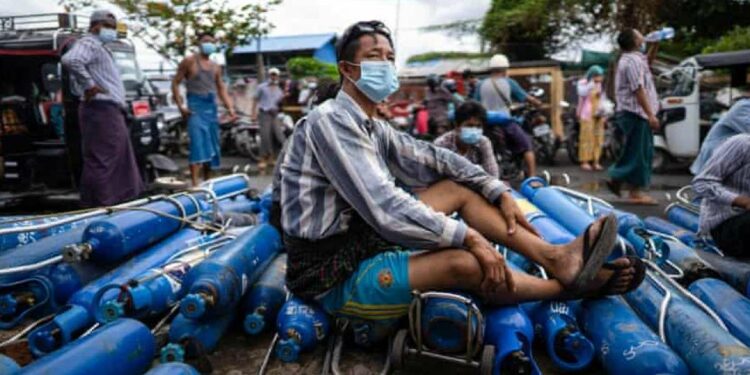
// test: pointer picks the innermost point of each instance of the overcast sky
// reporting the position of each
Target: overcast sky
(319, 16)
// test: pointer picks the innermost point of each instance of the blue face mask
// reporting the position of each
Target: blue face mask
(208, 48)
(377, 79)
(107, 35)
(470, 135)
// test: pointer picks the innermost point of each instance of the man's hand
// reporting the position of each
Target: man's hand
(185, 111)
(653, 122)
(232, 113)
(742, 201)
(91, 92)
(496, 273)
(513, 215)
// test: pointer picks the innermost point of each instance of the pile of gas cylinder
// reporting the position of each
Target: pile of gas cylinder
(151, 285)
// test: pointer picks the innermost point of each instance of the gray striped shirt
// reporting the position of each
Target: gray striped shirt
(92, 64)
(725, 176)
(340, 162)
(633, 72)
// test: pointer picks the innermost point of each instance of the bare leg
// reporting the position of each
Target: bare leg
(563, 261)
(206, 171)
(530, 160)
(458, 269)
(195, 170)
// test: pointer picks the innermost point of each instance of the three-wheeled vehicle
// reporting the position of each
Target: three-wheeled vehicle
(40, 136)
(687, 114)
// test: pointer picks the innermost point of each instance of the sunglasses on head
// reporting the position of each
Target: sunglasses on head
(359, 29)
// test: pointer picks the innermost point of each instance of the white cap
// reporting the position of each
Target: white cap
(273, 71)
(499, 61)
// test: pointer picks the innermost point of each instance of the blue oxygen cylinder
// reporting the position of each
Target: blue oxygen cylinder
(624, 344)
(688, 261)
(647, 245)
(241, 204)
(683, 217)
(556, 326)
(261, 305)
(43, 290)
(173, 368)
(124, 347)
(550, 229)
(510, 330)
(217, 284)
(445, 323)
(662, 226)
(625, 220)
(192, 339)
(301, 327)
(557, 206)
(736, 273)
(227, 186)
(125, 233)
(689, 331)
(13, 240)
(8, 366)
(732, 307)
(80, 311)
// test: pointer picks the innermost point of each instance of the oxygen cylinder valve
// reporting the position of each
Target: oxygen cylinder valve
(77, 252)
(44, 340)
(573, 347)
(8, 304)
(254, 323)
(172, 353)
(287, 350)
(112, 310)
(516, 363)
(194, 305)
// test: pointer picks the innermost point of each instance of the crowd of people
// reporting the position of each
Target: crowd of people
(353, 195)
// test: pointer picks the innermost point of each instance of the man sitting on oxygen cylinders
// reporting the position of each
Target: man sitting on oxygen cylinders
(724, 185)
(348, 227)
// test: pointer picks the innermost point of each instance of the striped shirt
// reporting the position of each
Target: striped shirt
(725, 176)
(480, 154)
(340, 162)
(91, 64)
(632, 73)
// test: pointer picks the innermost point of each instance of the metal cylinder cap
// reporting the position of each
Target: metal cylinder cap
(111, 310)
(254, 323)
(172, 353)
(193, 306)
(8, 304)
(287, 350)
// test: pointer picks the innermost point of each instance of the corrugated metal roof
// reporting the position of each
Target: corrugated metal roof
(476, 65)
(287, 43)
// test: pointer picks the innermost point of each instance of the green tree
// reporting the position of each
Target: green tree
(300, 67)
(170, 27)
(737, 39)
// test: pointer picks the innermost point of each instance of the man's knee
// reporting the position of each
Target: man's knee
(463, 268)
(454, 189)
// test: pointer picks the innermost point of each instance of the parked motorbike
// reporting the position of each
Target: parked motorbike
(537, 126)
(239, 135)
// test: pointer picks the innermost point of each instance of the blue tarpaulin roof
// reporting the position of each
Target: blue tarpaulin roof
(287, 43)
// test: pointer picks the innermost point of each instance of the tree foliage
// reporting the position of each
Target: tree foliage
(301, 67)
(170, 27)
(737, 39)
(532, 29)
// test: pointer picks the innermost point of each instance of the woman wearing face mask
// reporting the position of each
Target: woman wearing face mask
(591, 137)
(467, 139)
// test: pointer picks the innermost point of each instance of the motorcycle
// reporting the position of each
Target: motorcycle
(537, 126)
(239, 135)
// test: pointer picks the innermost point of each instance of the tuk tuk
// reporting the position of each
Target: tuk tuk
(40, 139)
(687, 113)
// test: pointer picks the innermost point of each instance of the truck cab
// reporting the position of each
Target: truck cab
(39, 130)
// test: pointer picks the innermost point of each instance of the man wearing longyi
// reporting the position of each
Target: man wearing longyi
(349, 229)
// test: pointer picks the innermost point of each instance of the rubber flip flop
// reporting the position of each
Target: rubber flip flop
(596, 253)
(640, 274)
(614, 187)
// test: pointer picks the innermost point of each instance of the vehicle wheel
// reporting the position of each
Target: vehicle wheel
(398, 350)
(249, 145)
(660, 161)
(487, 361)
